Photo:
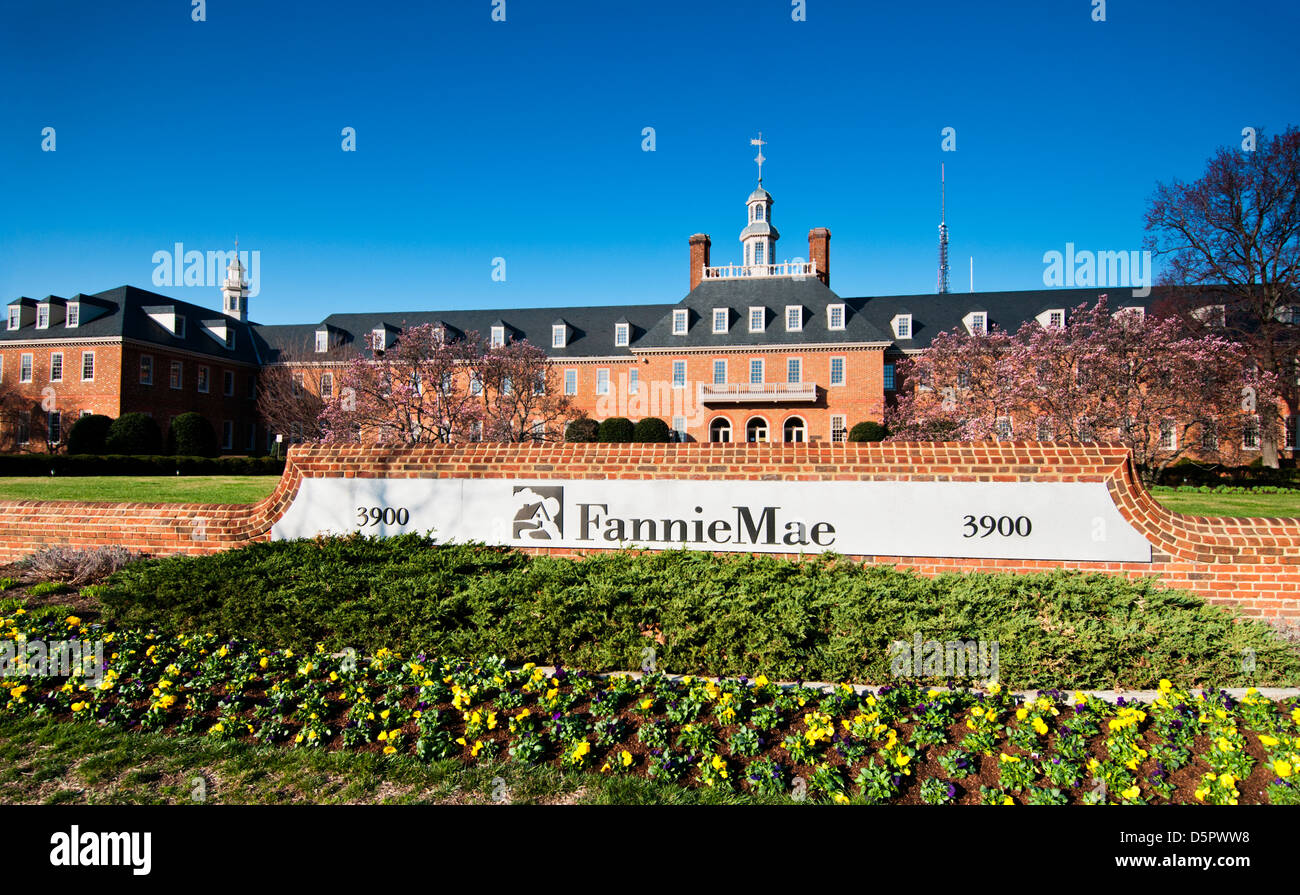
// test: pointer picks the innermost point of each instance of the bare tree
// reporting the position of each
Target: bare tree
(521, 395)
(1232, 239)
(289, 400)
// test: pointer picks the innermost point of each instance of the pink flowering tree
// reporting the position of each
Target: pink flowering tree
(522, 397)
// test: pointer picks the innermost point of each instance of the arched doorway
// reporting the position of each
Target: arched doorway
(720, 431)
(756, 430)
(795, 430)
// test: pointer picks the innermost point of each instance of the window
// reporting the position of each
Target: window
(758, 212)
(622, 334)
(475, 384)
(570, 382)
(963, 377)
(1288, 433)
(602, 381)
(793, 318)
(1209, 438)
(902, 326)
(507, 387)
(326, 385)
(1002, 428)
(15, 317)
(756, 430)
(837, 371)
(794, 369)
(295, 384)
(230, 337)
(228, 382)
(24, 434)
(1056, 318)
(25, 368)
(252, 438)
(1168, 436)
(794, 431)
(42, 316)
(680, 321)
(176, 375)
(633, 381)
(1250, 436)
(719, 372)
(180, 327)
(559, 334)
(679, 374)
(203, 374)
(720, 431)
(978, 323)
(56, 366)
(757, 320)
(756, 371)
(87, 366)
(322, 341)
(227, 435)
(476, 430)
(721, 317)
(839, 430)
(835, 316)
(54, 427)
(889, 377)
(760, 253)
(679, 428)
(378, 341)
(1043, 432)
(146, 369)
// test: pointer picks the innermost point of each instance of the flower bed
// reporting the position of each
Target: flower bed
(905, 743)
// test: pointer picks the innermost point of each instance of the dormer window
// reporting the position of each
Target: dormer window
(180, 327)
(757, 320)
(1053, 318)
(835, 317)
(680, 320)
(793, 318)
(721, 317)
(498, 336)
(977, 323)
(322, 341)
(43, 316)
(15, 316)
(377, 340)
(622, 335)
(902, 325)
(72, 318)
(559, 335)
(440, 334)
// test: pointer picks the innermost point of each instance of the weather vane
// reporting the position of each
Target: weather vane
(760, 143)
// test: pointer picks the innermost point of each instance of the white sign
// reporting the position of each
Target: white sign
(977, 520)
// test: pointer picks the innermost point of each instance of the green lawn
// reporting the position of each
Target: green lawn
(1244, 503)
(141, 489)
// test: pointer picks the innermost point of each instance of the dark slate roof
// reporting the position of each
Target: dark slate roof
(772, 293)
(120, 314)
(591, 329)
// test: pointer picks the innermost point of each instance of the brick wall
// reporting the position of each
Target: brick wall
(1254, 563)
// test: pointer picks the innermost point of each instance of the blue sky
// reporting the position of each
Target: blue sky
(523, 139)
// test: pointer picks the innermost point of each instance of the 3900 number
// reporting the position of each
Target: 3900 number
(386, 515)
(1004, 526)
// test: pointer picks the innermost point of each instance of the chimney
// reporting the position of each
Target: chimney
(819, 253)
(700, 243)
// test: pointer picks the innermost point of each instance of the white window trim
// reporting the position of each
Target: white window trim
(1045, 319)
(498, 336)
(622, 335)
(830, 316)
(762, 371)
(673, 371)
(571, 374)
(793, 360)
(72, 315)
(969, 322)
(726, 320)
(844, 371)
(839, 421)
(898, 320)
(602, 388)
(84, 377)
(714, 368)
(15, 317)
(322, 341)
(559, 335)
(53, 355)
(140, 369)
(794, 309)
(681, 322)
(762, 317)
(177, 367)
(230, 392)
(633, 381)
(43, 308)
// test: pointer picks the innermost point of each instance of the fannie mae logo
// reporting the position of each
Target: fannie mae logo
(539, 516)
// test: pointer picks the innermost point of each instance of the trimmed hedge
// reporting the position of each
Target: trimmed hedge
(120, 464)
(583, 431)
(823, 619)
(652, 430)
(133, 433)
(1189, 473)
(88, 434)
(616, 430)
(868, 431)
(191, 435)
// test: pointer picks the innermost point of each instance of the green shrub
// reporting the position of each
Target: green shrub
(615, 430)
(115, 464)
(88, 434)
(582, 431)
(652, 430)
(868, 431)
(824, 619)
(191, 435)
(133, 433)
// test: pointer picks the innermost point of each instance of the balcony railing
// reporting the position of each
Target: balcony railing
(784, 269)
(758, 391)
